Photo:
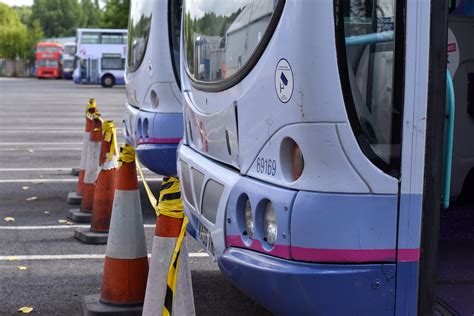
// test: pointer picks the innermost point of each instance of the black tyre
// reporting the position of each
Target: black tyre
(108, 81)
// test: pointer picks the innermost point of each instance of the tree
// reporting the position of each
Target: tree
(13, 34)
(91, 14)
(57, 17)
(116, 14)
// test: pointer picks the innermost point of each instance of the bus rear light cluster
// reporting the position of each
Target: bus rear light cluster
(297, 161)
(292, 160)
(258, 223)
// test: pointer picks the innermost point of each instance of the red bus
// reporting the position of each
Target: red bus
(48, 60)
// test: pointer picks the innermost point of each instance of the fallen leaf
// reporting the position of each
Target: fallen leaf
(9, 219)
(25, 309)
(25, 188)
(22, 268)
(12, 258)
(62, 221)
(69, 223)
(31, 150)
(46, 212)
(32, 198)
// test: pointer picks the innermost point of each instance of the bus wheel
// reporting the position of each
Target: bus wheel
(108, 81)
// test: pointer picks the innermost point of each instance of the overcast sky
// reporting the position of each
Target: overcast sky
(17, 2)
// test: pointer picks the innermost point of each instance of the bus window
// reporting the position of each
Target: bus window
(174, 33)
(47, 49)
(111, 38)
(90, 38)
(112, 62)
(220, 40)
(138, 31)
(374, 114)
(48, 63)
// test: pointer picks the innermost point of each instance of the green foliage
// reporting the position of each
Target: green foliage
(13, 34)
(91, 14)
(24, 13)
(116, 14)
(57, 17)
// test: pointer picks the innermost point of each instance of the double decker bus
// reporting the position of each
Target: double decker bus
(154, 120)
(323, 141)
(68, 59)
(48, 60)
(100, 56)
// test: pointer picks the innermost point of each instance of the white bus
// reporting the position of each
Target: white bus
(319, 141)
(68, 59)
(100, 56)
(153, 119)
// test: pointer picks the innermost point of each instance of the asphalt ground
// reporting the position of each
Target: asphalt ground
(41, 129)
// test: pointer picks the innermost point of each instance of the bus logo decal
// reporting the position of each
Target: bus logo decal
(284, 80)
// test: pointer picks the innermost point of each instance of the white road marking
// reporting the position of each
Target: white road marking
(48, 227)
(81, 256)
(44, 131)
(58, 180)
(41, 132)
(35, 169)
(43, 169)
(39, 144)
(40, 149)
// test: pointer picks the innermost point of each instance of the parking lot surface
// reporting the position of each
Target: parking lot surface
(41, 129)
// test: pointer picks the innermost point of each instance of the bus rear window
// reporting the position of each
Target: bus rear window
(221, 37)
(138, 31)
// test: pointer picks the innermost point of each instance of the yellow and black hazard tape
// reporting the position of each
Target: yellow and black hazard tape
(169, 204)
(91, 105)
(173, 271)
(127, 154)
(110, 135)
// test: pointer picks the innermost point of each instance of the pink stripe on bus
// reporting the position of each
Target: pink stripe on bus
(408, 255)
(159, 141)
(329, 255)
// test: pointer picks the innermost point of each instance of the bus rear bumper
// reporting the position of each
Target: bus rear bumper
(292, 288)
(156, 137)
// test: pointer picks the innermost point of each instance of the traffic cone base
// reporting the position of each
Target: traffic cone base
(73, 198)
(75, 171)
(79, 216)
(87, 236)
(91, 306)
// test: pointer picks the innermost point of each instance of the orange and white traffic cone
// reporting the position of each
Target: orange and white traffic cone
(169, 287)
(126, 261)
(84, 214)
(104, 190)
(75, 198)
